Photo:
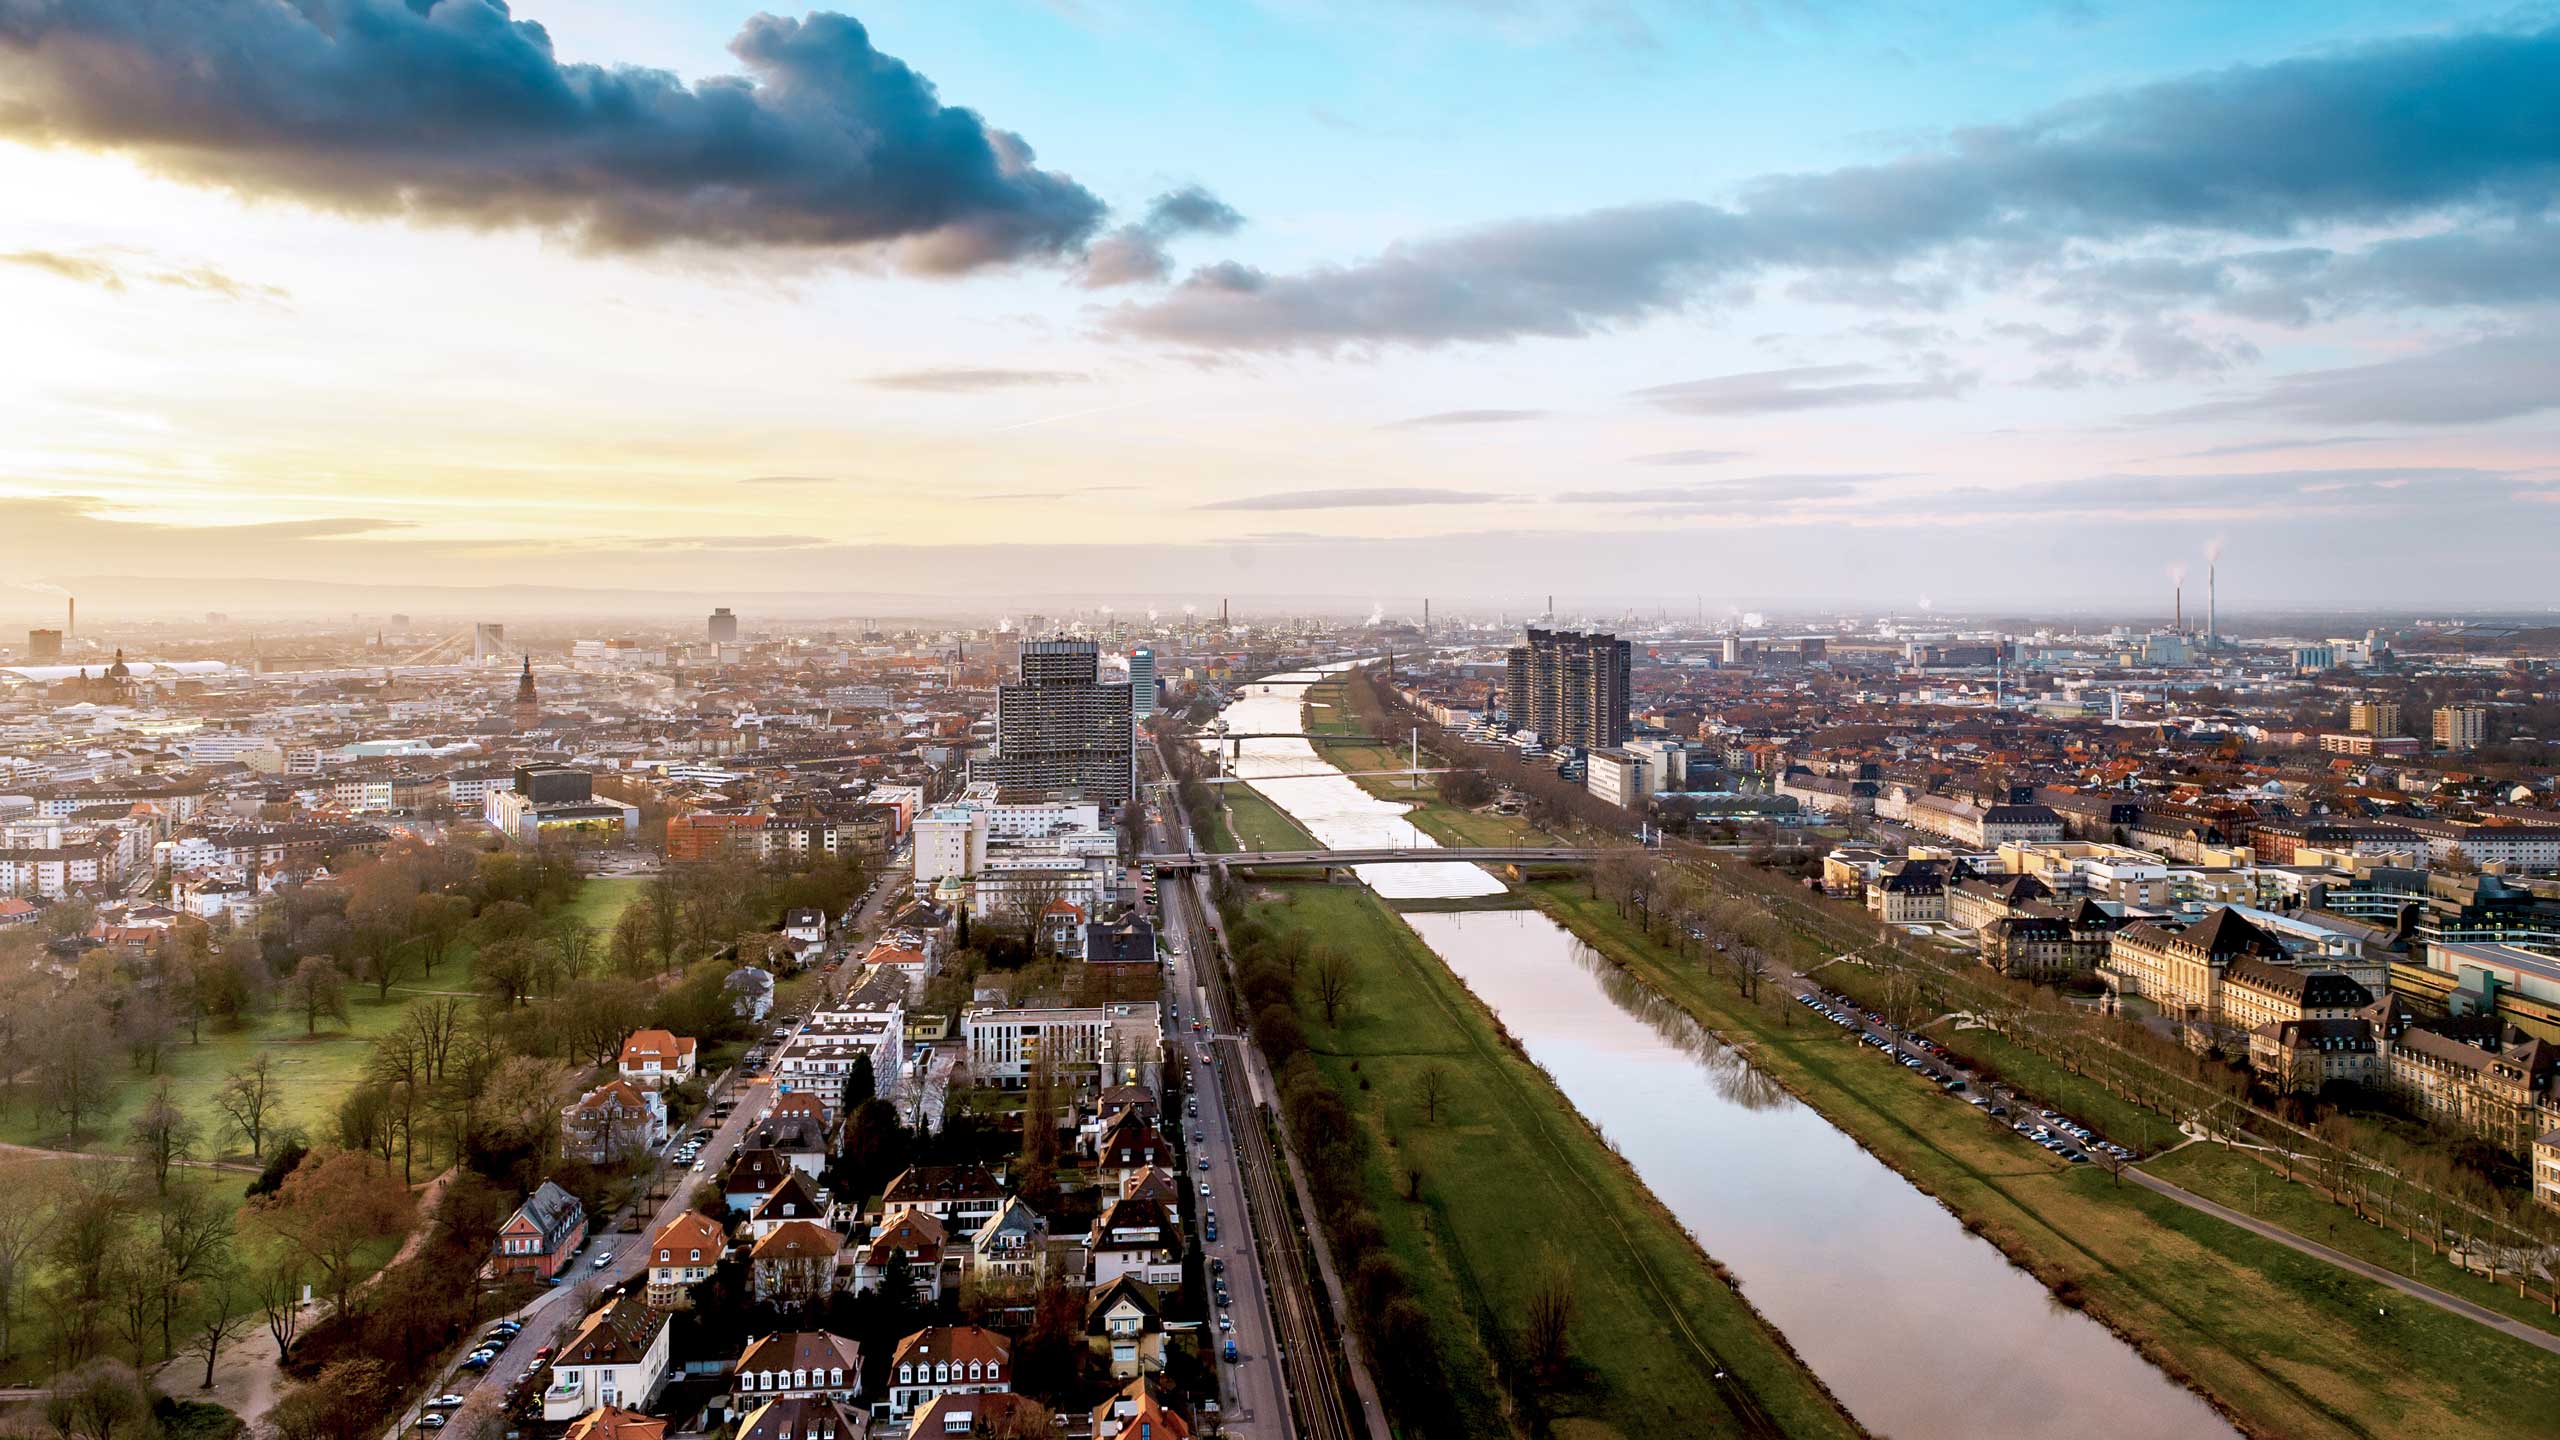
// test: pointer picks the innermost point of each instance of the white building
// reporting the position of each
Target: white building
(1618, 778)
(1096, 1046)
(951, 843)
(617, 1357)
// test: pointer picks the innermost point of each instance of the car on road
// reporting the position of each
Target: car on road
(431, 1421)
(1226, 1322)
(1204, 1189)
(604, 1259)
(1217, 1266)
(1230, 1352)
(478, 1359)
(445, 1402)
(1204, 1163)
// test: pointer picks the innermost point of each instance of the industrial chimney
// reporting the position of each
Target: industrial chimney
(2212, 604)
(70, 615)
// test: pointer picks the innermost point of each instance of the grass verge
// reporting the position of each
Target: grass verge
(1508, 1172)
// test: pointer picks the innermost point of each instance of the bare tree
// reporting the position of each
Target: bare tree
(316, 988)
(223, 1313)
(99, 1401)
(1433, 1088)
(1547, 1319)
(1333, 981)
(162, 1134)
(277, 1283)
(26, 1225)
(249, 1100)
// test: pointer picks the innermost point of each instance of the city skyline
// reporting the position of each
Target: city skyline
(1821, 305)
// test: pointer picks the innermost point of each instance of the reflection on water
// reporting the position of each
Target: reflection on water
(1923, 1330)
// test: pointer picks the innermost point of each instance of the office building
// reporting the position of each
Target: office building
(724, 627)
(1571, 688)
(2461, 727)
(1061, 731)
(1142, 682)
(2374, 717)
(44, 644)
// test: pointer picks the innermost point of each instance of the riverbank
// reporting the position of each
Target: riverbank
(1509, 1174)
(2284, 1344)
(1330, 709)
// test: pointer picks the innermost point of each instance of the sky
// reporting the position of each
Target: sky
(1635, 301)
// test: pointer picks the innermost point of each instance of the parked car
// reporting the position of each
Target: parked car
(604, 1259)
(431, 1421)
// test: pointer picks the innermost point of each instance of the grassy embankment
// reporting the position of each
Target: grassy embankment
(1508, 1173)
(316, 1069)
(1328, 711)
(2290, 1345)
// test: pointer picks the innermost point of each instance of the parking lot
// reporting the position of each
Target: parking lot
(2066, 1139)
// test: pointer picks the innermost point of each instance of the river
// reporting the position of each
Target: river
(1925, 1332)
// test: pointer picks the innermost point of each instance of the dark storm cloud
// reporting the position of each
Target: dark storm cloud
(1359, 499)
(1135, 253)
(1805, 387)
(1463, 417)
(453, 111)
(2496, 378)
(960, 379)
(2363, 136)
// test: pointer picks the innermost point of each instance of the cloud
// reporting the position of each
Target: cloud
(963, 379)
(1463, 417)
(1688, 457)
(110, 270)
(1803, 387)
(2495, 378)
(787, 480)
(2268, 447)
(2367, 136)
(452, 112)
(1740, 489)
(1135, 254)
(1355, 499)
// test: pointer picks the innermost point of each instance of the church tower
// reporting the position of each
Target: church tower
(528, 706)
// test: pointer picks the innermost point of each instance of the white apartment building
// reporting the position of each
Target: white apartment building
(951, 843)
(1094, 1045)
(1617, 778)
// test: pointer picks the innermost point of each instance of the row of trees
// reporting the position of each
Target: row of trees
(1273, 967)
(115, 1262)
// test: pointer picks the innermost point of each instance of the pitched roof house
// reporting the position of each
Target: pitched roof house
(540, 1237)
(657, 1057)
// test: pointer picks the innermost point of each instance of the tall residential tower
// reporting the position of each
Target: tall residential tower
(1571, 688)
(1060, 730)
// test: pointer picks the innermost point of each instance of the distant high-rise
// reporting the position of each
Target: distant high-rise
(44, 644)
(2374, 717)
(1060, 730)
(2462, 727)
(1571, 688)
(724, 627)
(1142, 682)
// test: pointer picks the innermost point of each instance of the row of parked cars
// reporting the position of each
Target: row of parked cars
(439, 1408)
(2050, 1130)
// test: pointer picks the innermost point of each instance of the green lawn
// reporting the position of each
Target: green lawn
(602, 901)
(2254, 1188)
(315, 1069)
(2294, 1346)
(1258, 824)
(1508, 1173)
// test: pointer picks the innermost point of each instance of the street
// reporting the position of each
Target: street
(1253, 1403)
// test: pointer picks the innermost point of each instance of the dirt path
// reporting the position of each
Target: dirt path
(34, 1152)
